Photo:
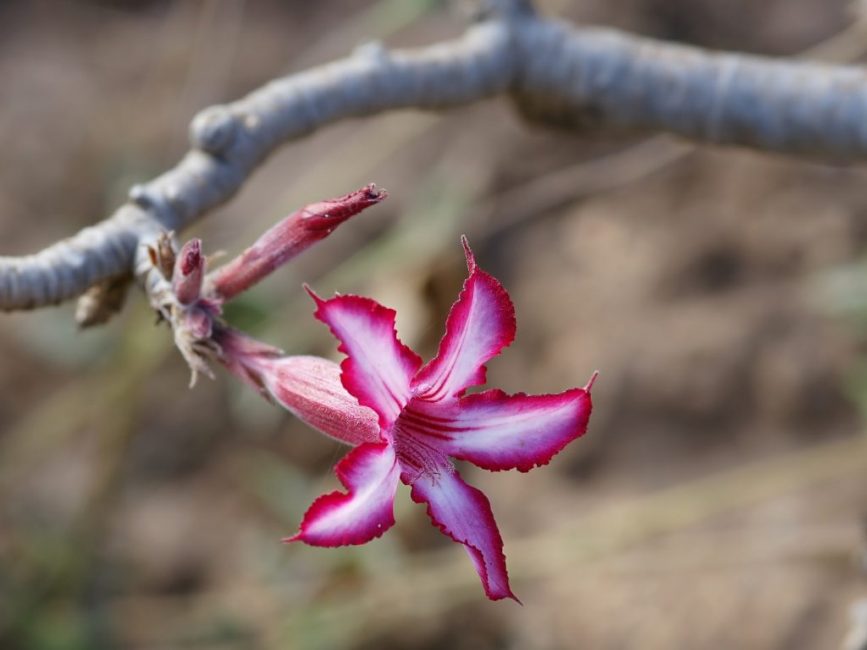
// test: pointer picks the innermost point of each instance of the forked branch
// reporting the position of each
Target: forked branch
(556, 74)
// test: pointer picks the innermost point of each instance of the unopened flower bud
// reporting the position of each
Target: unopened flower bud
(286, 239)
(189, 272)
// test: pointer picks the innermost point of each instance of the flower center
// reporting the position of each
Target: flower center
(415, 452)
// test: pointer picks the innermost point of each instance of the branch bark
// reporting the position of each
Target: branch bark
(556, 74)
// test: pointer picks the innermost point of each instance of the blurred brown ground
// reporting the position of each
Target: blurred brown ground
(717, 501)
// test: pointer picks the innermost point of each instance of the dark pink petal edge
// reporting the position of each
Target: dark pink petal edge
(369, 471)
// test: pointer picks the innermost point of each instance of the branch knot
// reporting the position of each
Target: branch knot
(213, 130)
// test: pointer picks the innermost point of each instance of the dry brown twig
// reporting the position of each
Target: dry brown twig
(556, 74)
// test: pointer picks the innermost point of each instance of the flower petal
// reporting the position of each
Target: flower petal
(480, 324)
(463, 513)
(378, 367)
(497, 431)
(369, 473)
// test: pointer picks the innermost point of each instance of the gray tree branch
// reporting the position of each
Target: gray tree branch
(556, 74)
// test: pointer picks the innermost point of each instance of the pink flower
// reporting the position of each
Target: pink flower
(425, 420)
(405, 421)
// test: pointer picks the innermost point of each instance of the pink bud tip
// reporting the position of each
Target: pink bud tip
(327, 215)
(189, 272)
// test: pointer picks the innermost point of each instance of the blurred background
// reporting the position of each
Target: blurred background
(718, 498)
